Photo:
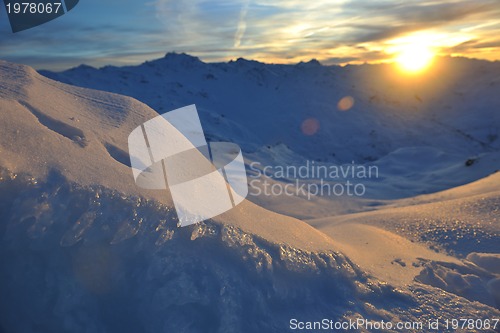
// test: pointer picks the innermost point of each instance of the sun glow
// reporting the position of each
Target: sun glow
(414, 58)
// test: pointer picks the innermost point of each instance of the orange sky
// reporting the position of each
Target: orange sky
(122, 32)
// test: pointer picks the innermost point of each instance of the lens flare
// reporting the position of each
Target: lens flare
(345, 103)
(310, 126)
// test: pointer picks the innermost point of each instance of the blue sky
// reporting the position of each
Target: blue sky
(282, 31)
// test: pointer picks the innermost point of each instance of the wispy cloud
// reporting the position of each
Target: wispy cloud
(242, 25)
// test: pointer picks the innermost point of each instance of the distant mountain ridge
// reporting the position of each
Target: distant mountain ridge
(257, 104)
(363, 114)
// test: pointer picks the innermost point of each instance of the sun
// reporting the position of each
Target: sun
(414, 58)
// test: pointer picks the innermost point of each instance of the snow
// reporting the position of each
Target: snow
(459, 226)
(441, 121)
(43, 130)
(464, 280)
(487, 261)
(123, 274)
(378, 252)
(85, 250)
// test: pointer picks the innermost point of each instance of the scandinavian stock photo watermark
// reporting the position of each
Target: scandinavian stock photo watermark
(310, 179)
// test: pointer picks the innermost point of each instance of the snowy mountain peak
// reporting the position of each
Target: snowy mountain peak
(84, 67)
(386, 112)
(181, 59)
(312, 62)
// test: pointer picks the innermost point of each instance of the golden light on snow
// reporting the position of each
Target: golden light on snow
(345, 103)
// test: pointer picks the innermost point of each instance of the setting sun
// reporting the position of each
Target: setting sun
(414, 58)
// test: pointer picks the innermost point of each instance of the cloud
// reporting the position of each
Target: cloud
(266, 30)
(242, 25)
(390, 20)
(293, 30)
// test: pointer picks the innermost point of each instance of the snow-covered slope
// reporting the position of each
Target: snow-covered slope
(425, 133)
(82, 134)
(261, 104)
(464, 222)
(84, 250)
(82, 245)
(461, 220)
(254, 103)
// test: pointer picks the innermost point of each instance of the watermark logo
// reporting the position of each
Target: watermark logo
(26, 14)
(311, 179)
(170, 152)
